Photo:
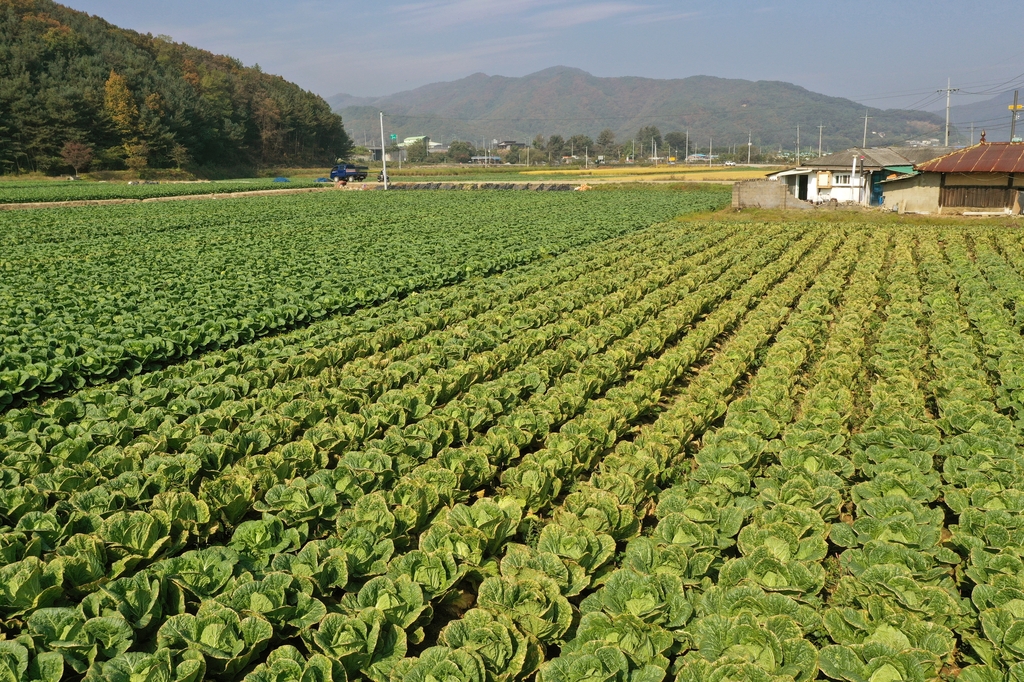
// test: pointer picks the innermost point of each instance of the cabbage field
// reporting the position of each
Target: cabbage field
(12, 192)
(540, 441)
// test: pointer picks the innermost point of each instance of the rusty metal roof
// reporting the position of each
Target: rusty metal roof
(991, 157)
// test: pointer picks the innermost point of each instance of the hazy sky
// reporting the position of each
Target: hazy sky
(886, 54)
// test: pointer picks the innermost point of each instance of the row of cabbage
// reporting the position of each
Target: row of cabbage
(91, 294)
(76, 547)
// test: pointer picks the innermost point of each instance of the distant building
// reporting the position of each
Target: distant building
(376, 155)
(508, 145)
(853, 176)
(486, 159)
(986, 177)
(409, 141)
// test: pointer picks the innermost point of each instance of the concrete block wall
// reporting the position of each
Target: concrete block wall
(764, 194)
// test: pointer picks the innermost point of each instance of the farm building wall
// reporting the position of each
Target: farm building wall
(919, 194)
(764, 194)
(981, 180)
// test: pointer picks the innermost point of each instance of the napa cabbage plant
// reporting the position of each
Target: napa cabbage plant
(282, 599)
(323, 562)
(436, 573)
(441, 663)
(774, 644)
(507, 653)
(226, 640)
(29, 584)
(188, 665)
(286, 664)
(80, 640)
(534, 604)
(20, 662)
(364, 644)
(658, 599)
(607, 664)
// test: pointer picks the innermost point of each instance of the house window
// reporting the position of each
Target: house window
(839, 179)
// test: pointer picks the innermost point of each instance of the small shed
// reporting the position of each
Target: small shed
(988, 176)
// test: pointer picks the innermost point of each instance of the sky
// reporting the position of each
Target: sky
(893, 54)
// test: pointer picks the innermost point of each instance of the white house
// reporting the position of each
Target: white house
(853, 176)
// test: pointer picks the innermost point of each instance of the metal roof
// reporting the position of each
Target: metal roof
(990, 157)
(876, 157)
(922, 154)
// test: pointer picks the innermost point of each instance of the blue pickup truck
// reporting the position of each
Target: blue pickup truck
(347, 171)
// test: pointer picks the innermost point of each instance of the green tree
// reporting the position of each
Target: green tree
(581, 144)
(461, 152)
(555, 148)
(180, 155)
(418, 151)
(646, 135)
(605, 140)
(676, 142)
(138, 156)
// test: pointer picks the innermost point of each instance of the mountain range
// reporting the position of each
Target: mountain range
(567, 101)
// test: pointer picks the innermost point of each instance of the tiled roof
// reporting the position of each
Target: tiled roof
(876, 157)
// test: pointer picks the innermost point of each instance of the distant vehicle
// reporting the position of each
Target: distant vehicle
(730, 163)
(347, 171)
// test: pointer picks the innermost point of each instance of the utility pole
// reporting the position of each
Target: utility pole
(972, 133)
(711, 150)
(383, 154)
(1013, 116)
(949, 91)
(750, 134)
(867, 118)
(820, 128)
(798, 146)
(687, 154)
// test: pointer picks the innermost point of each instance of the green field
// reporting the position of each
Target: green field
(493, 437)
(12, 192)
(91, 294)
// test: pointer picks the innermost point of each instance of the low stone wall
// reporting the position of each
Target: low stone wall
(764, 194)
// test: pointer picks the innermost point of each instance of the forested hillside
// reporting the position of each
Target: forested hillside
(134, 101)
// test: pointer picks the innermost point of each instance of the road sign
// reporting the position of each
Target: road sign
(1017, 107)
(393, 137)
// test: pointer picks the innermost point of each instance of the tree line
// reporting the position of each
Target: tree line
(76, 90)
(558, 149)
